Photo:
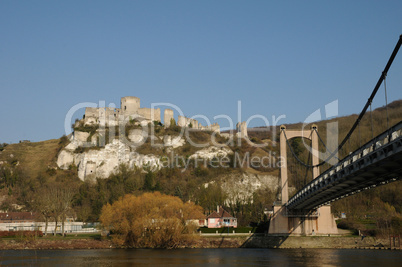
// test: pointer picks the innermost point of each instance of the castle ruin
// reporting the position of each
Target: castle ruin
(130, 109)
(241, 128)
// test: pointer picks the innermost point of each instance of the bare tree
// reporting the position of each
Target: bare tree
(53, 202)
(55, 205)
(42, 203)
(65, 199)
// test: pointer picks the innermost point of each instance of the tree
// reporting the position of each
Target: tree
(53, 201)
(149, 181)
(42, 202)
(211, 196)
(150, 220)
(65, 200)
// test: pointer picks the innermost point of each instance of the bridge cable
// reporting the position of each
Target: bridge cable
(299, 160)
(371, 117)
(319, 138)
(305, 176)
(359, 137)
(384, 73)
(368, 103)
(386, 99)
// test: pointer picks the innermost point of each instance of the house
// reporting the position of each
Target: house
(14, 217)
(199, 221)
(221, 218)
(31, 221)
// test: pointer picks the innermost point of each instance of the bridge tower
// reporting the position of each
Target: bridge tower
(285, 222)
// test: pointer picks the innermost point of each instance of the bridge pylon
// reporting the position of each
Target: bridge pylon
(297, 222)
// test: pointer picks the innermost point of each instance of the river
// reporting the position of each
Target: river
(202, 257)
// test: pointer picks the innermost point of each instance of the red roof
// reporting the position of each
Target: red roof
(18, 216)
(222, 214)
(214, 215)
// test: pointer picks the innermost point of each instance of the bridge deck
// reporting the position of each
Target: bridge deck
(377, 162)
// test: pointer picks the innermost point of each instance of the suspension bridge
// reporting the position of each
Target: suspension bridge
(377, 162)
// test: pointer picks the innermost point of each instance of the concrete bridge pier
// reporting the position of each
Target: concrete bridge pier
(320, 221)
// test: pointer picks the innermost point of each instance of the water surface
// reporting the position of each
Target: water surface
(202, 257)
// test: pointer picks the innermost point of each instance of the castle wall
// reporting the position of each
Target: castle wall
(91, 112)
(105, 116)
(112, 113)
(185, 122)
(195, 124)
(167, 117)
(182, 122)
(129, 105)
(215, 127)
(241, 128)
(150, 114)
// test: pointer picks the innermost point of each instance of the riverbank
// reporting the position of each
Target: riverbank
(55, 244)
(285, 242)
(251, 241)
(298, 242)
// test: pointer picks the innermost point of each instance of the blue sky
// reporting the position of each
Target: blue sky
(276, 57)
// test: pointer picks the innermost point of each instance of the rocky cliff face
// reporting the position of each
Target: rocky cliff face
(135, 151)
(239, 187)
(101, 162)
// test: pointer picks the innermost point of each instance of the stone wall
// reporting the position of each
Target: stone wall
(91, 112)
(241, 128)
(150, 114)
(194, 124)
(182, 121)
(215, 127)
(129, 105)
(104, 116)
(167, 117)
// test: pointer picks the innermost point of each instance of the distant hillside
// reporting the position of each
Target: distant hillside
(246, 192)
(344, 123)
(36, 157)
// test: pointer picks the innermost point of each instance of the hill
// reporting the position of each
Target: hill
(247, 191)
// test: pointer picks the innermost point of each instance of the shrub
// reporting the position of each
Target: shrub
(28, 234)
(150, 220)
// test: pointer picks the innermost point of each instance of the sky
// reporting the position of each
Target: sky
(272, 58)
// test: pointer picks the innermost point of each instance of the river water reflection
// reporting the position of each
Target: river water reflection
(202, 257)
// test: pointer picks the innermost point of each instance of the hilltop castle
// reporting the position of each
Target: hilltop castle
(114, 151)
(130, 109)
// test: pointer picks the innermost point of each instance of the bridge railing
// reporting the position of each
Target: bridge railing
(382, 139)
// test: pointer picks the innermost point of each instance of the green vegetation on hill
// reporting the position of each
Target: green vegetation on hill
(27, 168)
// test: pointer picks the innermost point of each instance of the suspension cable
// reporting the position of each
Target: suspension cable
(384, 73)
(371, 117)
(305, 176)
(386, 99)
(360, 138)
(368, 103)
(319, 138)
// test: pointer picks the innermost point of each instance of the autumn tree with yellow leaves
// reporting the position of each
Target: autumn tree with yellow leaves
(151, 220)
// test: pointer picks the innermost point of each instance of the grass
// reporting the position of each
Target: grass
(93, 236)
(35, 157)
(224, 230)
